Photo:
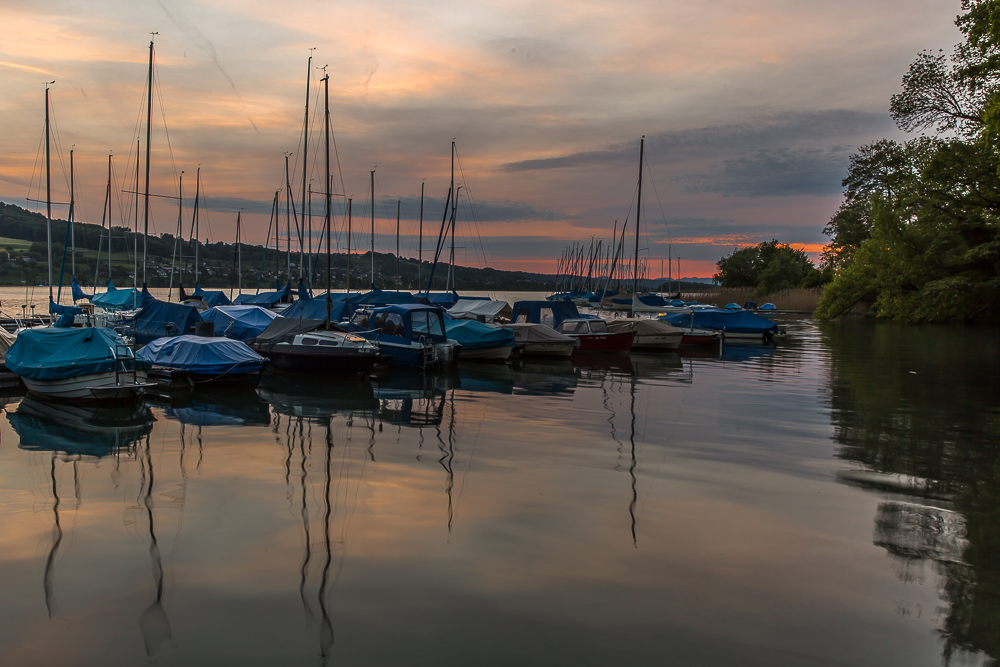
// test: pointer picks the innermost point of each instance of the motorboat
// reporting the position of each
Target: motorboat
(735, 325)
(299, 345)
(649, 334)
(410, 335)
(540, 340)
(480, 341)
(69, 363)
(594, 336)
(181, 362)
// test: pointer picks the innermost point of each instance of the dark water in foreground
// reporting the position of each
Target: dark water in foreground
(830, 502)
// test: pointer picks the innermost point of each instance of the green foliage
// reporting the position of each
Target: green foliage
(767, 267)
(918, 235)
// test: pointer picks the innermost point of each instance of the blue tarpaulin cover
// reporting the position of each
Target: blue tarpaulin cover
(475, 335)
(264, 298)
(238, 322)
(67, 314)
(117, 299)
(315, 309)
(736, 321)
(50, 353)
(201, 355)
(378, 297)
(532, 311)
(78, 293)
(211, 298)
(157, 319)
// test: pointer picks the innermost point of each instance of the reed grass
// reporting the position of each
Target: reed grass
(801, 299)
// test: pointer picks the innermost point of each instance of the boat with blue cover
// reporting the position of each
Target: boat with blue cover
(179, 362)
(239, 322)
(157, 319)
(479, 340)
(89, 363)
(411, 335)
(736, 325)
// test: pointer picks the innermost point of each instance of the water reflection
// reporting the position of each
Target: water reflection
(217, 406)
(918, 413)
(79, 430)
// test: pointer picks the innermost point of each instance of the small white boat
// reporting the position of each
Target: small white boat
(649, 334)
(66, 363)
(541, 340)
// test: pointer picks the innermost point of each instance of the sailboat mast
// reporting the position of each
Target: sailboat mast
(197, 230)
(178, 240)
(397, 243)
(149, 116)
(420, 251)
(48, 189)
(373, 229)
(72, 203)
(288, 223)
(305, 161)
(450, 283)
(349, 209)
(135, 224)
(105, 216)
(638, 210)
(326, 185)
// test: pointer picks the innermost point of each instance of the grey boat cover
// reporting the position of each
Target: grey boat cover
(477, 309)
(283, 328)
(643, 326)
(525, 333)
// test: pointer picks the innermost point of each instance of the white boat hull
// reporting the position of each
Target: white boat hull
(488, 353)
(95, 386)
(548, 349)
(658, 342)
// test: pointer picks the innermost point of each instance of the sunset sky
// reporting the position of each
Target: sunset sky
(750, 112)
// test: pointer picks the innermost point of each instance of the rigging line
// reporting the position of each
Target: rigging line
(36, 168)
(663, 215)
(163, 116)
(472, 205)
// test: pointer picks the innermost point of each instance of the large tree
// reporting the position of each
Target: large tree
(767, 267)
(918, 234)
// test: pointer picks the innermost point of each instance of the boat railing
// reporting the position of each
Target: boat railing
(121, 367)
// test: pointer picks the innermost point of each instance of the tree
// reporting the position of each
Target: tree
(767, 267)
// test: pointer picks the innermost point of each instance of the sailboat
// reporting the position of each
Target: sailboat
(312, 346)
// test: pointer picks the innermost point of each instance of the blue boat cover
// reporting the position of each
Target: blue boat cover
(50, 353)
(733, 306)
(238, 322)
(735, 321)
(443, 299)
(652, 300)
(78, 293)
(67, 314)
(769, 306)
(117, 299)
(264, 298)
(211, 298)
(157, 319)
(303, 290)
(315, 309)
(205, 356)
(475, 335)
(551, 313)
(378, 297)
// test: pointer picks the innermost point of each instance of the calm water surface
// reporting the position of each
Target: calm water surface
(832, 501)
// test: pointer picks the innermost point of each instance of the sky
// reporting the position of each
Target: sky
(750, 112)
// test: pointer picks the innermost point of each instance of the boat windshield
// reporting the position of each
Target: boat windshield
(427, 322)
(573, 327)
(598, 326)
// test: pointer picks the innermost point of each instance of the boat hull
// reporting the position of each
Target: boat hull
(547, 349)
(699, 338)
(501, 353)
(90, 387)
(657, 342)
(321, 361)
(615, 343)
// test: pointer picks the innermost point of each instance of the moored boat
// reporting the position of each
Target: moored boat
(180, 362)
(411, 335)
(480, 341)
(594, 336)
(91, 363)
(735, 325)
(296, 345)
(648, 334)
(539, 340)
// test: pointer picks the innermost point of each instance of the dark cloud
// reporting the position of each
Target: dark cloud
(779, 172)
(789, 129)
(233, 204)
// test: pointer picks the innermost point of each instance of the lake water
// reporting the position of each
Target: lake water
(833, 501)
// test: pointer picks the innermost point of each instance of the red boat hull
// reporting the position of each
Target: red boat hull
(604, 342)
